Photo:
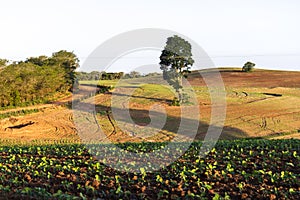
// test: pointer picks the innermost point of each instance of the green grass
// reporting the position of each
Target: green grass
(18, 113)
(149, 93)
(100, 82)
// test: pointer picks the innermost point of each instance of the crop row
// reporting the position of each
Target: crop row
(18, 113)
(241, 169)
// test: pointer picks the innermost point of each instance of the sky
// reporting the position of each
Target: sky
(231, 32)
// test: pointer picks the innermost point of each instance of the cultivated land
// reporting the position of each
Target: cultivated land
(263, 103)
(234, 169)
(42, 156)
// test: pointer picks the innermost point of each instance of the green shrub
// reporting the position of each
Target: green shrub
(248, 67)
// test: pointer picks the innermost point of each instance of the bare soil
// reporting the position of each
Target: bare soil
(257, 78)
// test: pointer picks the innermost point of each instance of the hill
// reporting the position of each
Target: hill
(261, 104)
(233, 77)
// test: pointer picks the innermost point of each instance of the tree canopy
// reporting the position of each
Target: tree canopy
(176, 61)
(3, 62)
(37, 79)
(248, 67)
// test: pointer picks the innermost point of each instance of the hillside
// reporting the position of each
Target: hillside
(263, 104)
(257, 78)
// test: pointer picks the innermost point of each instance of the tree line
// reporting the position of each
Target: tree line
(37, 79)
(96, 75)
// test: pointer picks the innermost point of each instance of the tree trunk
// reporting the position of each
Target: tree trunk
(179, 91)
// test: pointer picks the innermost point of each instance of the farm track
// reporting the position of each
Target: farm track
(259, 100)
(262, 125)
(112, 124)
(161, 135)
(53, 121)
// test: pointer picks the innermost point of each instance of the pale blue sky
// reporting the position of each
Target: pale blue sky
(232, 32)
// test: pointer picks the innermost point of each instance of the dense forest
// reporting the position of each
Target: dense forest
(40, 79)
(37, 79)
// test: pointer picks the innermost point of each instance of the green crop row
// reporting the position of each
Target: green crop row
(241, 169)
(18, 113)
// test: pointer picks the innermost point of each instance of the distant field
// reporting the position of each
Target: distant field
(257, 78)
(256, 107)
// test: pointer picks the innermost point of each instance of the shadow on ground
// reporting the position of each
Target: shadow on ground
(142, 118)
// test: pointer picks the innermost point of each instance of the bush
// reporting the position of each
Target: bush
(248, 67)
(175, 102)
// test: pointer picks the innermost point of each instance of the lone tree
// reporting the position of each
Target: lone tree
(248, 67)
(175, 62)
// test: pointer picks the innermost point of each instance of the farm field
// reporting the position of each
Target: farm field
(261, 104)
(234, 169)
(257, 156)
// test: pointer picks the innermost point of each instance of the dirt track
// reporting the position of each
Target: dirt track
(53, 122)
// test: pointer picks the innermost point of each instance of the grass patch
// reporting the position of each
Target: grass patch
(18, 113)
(100, 82)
